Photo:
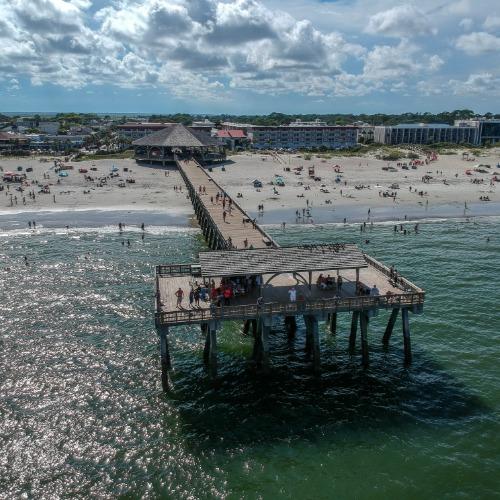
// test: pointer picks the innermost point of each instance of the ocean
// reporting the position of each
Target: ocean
(82, 412)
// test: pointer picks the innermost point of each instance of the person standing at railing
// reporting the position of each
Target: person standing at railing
(180, 295)
(339, 284)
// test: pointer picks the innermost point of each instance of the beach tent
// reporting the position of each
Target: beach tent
(257, 183)
(63, 174)
(114, 169)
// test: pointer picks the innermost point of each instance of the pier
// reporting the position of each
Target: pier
(248, 277)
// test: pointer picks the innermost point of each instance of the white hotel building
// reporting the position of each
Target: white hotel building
(299, 135)
(426, 133)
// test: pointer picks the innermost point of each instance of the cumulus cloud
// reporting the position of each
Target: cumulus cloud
(401, 21)
(404, 60)
(208, 48)
(480, 83)
(478, 43)
(492, 23)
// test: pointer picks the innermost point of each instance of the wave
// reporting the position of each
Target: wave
(104, 230)
(466, 219)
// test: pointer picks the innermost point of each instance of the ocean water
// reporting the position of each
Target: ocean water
(82, 412)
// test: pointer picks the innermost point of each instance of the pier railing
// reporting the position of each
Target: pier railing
(184, 316)
(264, 234)
(193, 194)
(174, 270)
(407, 284)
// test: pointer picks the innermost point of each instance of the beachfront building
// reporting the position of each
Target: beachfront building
(488, 131)
(425, 133)
(11, 142)
(233, 139)
(299, 135)
(176, 142)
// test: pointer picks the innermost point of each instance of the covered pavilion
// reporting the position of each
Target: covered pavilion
(176, 142)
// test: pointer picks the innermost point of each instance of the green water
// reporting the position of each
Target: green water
(82, 412)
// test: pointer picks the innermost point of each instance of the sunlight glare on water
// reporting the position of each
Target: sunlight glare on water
(82, 412)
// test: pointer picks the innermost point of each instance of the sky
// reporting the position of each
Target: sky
(249, 56)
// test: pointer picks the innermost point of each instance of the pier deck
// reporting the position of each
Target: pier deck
(276, 300)
(234, 229)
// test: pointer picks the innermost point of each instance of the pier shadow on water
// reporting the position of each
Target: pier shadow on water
(246, 407)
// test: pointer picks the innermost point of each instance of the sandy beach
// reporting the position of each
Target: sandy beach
(357, 186)
(362, 182)
(153, 188)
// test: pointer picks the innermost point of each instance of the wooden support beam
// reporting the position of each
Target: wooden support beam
(291, 326)
(312, 341)
(354, 328)
(364, 338)
(212, 354)
(246, 326)
(264, 341)
(390, 326)
(257, 344)
(406, 334)
(166, 364)
(332, 320)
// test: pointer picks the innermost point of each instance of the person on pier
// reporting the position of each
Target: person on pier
(180, 295)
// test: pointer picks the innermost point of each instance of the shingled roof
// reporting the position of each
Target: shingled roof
(177, 136)
(282, 260)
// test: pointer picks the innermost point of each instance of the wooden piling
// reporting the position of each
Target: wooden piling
(354, 328)
(291, 326)
(333, 323)
(212, 354)
(406, 335)
(390, 326)
(264, 342)
(166, 364)
(312, 341)
(364, 338)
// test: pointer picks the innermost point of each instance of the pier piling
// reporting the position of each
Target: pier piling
(364, 320)
(390, 326)
(166, 364)
(333, 323)
(354, 329)
(406, 335)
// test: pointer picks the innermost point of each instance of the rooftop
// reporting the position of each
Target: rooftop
(177, 136)
(281, 260)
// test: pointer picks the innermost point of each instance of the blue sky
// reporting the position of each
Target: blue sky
(249, 56)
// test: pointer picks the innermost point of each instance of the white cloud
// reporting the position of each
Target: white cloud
(401, 21)
(404, 60)
(478, 42)
(492, 23)
(466, 23)
(208, 48)
(481, 83)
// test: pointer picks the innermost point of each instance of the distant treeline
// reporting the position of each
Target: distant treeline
(332, 119)
(271, 119)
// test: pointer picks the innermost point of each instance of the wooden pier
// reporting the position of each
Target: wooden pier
(221, 232)
(266, 282)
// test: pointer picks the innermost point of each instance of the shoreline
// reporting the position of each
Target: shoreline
(165, 220)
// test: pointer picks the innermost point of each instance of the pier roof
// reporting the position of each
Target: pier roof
(177, 136)
(282, 260)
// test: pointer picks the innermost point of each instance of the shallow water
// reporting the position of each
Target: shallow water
(82, 412)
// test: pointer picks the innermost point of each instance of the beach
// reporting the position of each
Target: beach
(357, 185)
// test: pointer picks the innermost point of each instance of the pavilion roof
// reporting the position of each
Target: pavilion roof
(177, 136)
(282, 260)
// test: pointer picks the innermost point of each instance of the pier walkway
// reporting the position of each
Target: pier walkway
(237, 228)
